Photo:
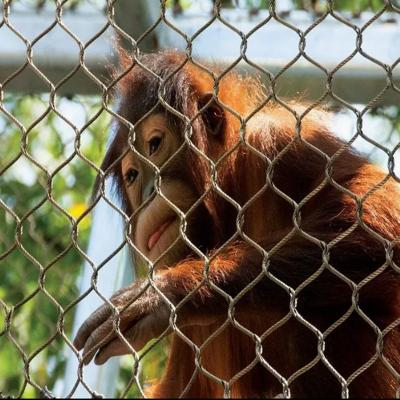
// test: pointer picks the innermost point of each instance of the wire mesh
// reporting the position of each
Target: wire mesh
(51, 151)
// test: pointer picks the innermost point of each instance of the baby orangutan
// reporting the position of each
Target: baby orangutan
(225, 212)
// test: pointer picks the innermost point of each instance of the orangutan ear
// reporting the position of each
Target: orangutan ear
(213, 115)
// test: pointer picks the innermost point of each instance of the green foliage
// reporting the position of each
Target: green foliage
(36, 219)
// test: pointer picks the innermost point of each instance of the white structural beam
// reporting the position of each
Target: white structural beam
(56, 53)
(272, 47)
(114, 274)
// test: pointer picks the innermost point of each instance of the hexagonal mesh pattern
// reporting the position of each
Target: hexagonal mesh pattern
(52, 145)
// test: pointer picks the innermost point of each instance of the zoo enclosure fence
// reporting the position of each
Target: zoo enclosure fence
(54, 119)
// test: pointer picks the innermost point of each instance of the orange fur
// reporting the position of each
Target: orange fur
(267, 219)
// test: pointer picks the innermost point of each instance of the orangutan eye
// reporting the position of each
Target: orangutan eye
(154, 144)
(131, 176)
